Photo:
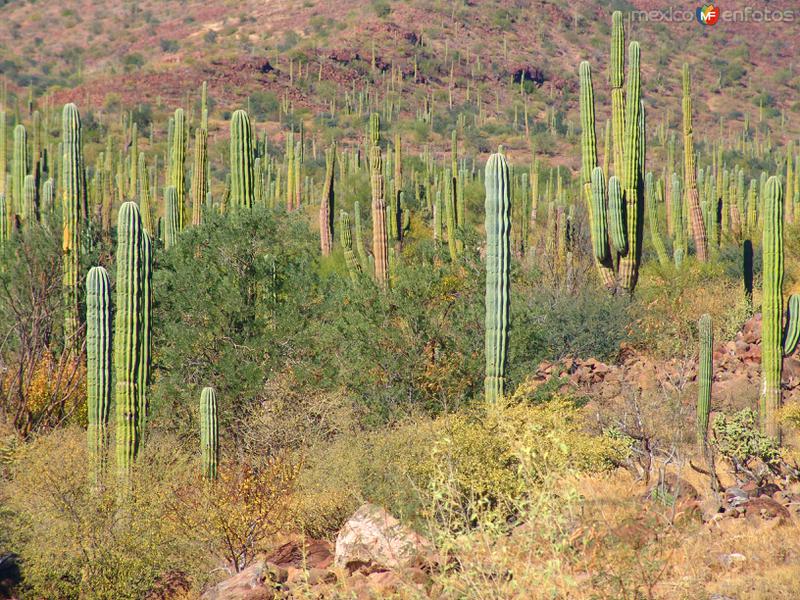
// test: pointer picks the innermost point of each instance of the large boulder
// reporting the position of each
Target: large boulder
(259, 580)
(373, 540)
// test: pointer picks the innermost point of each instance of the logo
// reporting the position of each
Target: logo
(708, 14)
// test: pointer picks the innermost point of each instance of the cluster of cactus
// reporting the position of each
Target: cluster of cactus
(623, 221)
(498, 274)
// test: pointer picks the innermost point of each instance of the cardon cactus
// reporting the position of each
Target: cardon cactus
(326, 205)
(72, 191)
(705, 374)
(654, 194)
(380, 243)
(698, 226)
(19, 169)
(29, 210)
(242, 178)
(98, 362)
(616, 216)
(143, 373)
(145, 198)
(772, 306)
(171, 217)
(127, 333)
(199, 180)
(617, 81)
(209, 432)
(359, 237)
(177, 162)
(792, 333)
(498, 280)
(346, 239)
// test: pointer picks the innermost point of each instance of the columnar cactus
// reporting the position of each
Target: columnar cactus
(792, 334)
(98, 362)
(632, 155)
(177, 162)
(29, 200)
(678, 226)
(616, 216)
(359, 235)
(19, 170)
(3, 150)
(145, 339)
(145, 198)
(199, 180)
(705, 372)
(326, 206)
(450, 213)
(698, 226)
(209, 433)
(127, 333)
(72, 192)
(346, 239)
(498, 276)
(242, 181)
(598, 226)
(617, 81)
(772, 306)
(171, 217)
(380, 244)
(133, 162)
(652, 217)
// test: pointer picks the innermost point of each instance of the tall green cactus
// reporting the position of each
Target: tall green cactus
(98, 363)
(598, 226)
(3, 150)
(242, 178)
(632, 155)
(145, 197)
(616, 216)
(209, 432)
(617, 80)
(72, 192)
(651, 199)
(127, 333)
(705, 373)
(177, 162)
(19, 170)
(199, 180)
(498, 276)
(145, 339)
(698, 226)
(326, 205)
(772, 306)
(792, 333)
(450, 214)
(29, 210)
(346, 239)
(380, 242)
(171, 217)
(359, 235)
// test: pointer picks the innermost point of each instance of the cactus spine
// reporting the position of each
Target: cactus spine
(326, 204)
(242, 192)
(98, 362)
(772, 306)
(704, 376)
(72, 191)
(690, 181)
(171, 217)
(127, 332)
(498, 283)
(380, 248)
(209, 432)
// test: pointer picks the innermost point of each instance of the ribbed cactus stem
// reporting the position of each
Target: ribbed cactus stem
(380, 244)
(326, 205)
(72, 191)
(346, 239)
(145, 350)
(633, 160)
(199, 179)
(177, 164)
(98, 363)
(19, 170)
(127, 333)
(616, 216)
(209, 433)
(450, 213)
(792, 333)
(241, 151)
(171, 217)
(359, 235)
(29, 210)
(692, 195)
(653, 196)
(617, 81)
(772, 306)
(145, 197)
(498, 276)
(705, 374)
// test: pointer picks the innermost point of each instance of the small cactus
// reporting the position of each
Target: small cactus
(209, 432)
(704, 376)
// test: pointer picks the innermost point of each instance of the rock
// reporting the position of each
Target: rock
(257, 581)
(732, 560)
(766, 509)
(302, 554)
(373, 540)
